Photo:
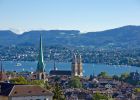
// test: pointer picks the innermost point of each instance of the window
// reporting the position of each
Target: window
(15, 92)
(43, 91)
(42, 76)
(29, 91)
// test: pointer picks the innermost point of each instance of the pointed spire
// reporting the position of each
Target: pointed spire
(1, 68)
(79, 59)
(40, 66)
(40, 49)
(80, 68)
(54, 66)
(74, 59)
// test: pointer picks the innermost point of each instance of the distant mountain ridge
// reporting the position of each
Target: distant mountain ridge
(126, 36)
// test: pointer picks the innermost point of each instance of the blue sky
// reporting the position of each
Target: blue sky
(83, 15)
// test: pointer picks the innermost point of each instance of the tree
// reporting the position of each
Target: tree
(58, 94)
(90, 78)
(115, 77)
(19, 80)
(37, 82)
(124, 76)
(98, 96)
(75, 82)
(137, 89)
(103, 74)
(22, 80)
(47, 86)
(12, 73)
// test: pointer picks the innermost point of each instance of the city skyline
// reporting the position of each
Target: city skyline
(69, 50)
(95, 15)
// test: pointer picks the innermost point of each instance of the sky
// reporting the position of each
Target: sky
(83, 15)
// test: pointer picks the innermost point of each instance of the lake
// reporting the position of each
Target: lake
(88, 69)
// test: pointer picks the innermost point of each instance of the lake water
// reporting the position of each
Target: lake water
(88, 69)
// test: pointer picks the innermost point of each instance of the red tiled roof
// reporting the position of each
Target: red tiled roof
(29, 90)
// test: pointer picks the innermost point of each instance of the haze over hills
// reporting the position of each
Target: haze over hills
(126, 36)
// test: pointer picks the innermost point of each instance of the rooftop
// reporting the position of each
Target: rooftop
(60, 72)
(23, 90)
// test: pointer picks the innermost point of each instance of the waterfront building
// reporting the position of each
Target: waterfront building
(60, 73)
(57, 72)
(76, 68)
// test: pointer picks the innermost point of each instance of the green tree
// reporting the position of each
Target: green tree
(47, 86)
(115, 77)
(22, 80)
(98, 96)
(75, 82)
(137, 89)
(40, 83)
(10, 73)
(19, 80)
(91, 78)
(37, 82)
(103, 74)
(58, 94)
(124, 76)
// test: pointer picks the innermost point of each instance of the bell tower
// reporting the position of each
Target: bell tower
(80, 68)
(77, 69)
(74, 66)
(41, 75)
(3, 75)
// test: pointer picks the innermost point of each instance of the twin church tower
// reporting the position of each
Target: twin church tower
(77, 69)
(76, 66)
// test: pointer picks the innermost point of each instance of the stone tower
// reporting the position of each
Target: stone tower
(74, 66)
(80, 68)
(3, 75)
(1, 72)
(41, 75)
(77, 69)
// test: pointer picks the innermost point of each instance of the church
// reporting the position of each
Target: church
(3, 76)
(76, 68)
(40, 73)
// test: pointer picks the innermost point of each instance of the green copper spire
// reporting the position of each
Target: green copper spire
(40, 65)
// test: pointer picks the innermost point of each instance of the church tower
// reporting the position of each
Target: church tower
(1, 72)
(80, 68)
(3, 75)
(77, 69)
(41, 75)
(74, 66)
